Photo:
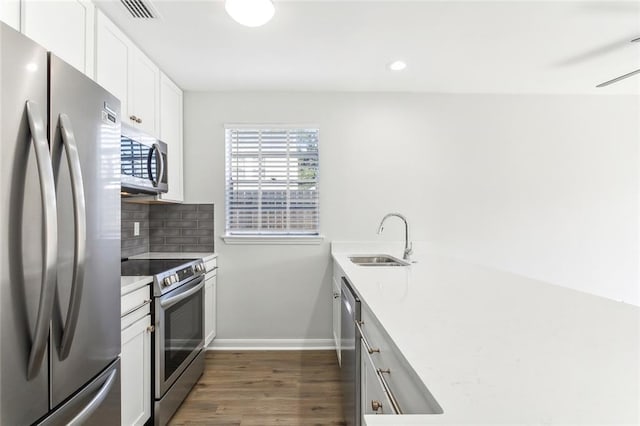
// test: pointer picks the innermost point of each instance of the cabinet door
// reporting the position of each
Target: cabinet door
(171, 127)
(144, 84)
(210, 309)
(64, 27)
(112, 61)
(136, 372)
(336, 316)
(10, 13)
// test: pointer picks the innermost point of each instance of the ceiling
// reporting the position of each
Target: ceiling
(450, 46)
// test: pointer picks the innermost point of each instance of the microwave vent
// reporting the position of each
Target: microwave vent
(141, 9)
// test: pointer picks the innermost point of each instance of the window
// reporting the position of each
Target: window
(272, 181)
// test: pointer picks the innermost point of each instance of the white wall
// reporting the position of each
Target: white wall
(543, 186)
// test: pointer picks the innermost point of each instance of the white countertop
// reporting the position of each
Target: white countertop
(129, 284)
(174, 255)
(496, 348)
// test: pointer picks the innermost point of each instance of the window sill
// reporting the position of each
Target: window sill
(273, 239)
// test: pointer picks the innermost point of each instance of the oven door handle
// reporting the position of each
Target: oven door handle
(170, 301)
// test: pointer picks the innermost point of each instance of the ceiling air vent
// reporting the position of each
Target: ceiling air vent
(141, 9)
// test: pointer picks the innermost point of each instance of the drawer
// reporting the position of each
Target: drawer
(127, 320)
(211, 264)
(412, 395)
(135, 300)
(374, 399)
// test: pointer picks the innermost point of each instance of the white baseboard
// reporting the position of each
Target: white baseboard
(270, 344)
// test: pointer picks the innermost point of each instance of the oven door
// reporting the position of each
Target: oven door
(179, 333)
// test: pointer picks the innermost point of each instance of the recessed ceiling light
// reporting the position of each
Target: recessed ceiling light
(397, 65)
(250, 13)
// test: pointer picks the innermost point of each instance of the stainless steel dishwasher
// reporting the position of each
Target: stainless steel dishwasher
(350, 354)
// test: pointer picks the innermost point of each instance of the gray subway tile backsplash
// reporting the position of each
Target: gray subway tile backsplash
(167, 228)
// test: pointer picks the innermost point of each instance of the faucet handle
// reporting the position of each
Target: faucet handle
(408, 251)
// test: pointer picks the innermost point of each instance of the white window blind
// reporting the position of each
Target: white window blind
(272, 181)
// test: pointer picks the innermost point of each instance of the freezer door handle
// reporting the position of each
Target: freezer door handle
(50, 238)
(80, 228)
(95, 402)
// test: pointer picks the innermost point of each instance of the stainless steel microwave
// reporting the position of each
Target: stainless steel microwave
(143, 160)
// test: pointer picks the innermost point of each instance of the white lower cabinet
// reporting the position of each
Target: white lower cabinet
(210, 300)
(374, 399)
(337, 301)
(136, 362)
(382, 362)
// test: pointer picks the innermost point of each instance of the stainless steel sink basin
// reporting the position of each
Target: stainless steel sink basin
(377, 260)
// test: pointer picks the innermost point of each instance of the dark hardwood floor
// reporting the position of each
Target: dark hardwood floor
(296, 388)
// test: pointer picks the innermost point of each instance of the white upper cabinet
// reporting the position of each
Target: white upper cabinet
(125, 71)
(171, 127)
(10, 13)
(64, 27)
(112, 60)
(144, 99)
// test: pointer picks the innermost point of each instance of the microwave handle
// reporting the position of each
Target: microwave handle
(155, 150)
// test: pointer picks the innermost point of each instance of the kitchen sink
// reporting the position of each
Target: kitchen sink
(377, 260)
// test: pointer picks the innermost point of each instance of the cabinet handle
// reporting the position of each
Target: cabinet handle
(387, 390)
(138, 120)
(336, 295)
(151, 329)
(145, 302)
(376, 405)
(133, 118)
(364, 339)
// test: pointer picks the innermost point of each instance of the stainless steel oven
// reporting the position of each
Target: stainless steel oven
(179, 332)
(178, 340)
(143, 163)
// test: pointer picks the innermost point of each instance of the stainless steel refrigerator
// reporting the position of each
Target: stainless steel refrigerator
(59, 241)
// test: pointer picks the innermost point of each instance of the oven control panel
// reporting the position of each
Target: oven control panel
(185, 273)
(182, 274)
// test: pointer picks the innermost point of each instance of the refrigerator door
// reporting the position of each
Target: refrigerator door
(97, 404)
(23, 77)
(85, 148)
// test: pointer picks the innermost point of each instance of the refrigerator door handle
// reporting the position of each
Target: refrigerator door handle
(50, 238)
(95, 402)
(80, 225)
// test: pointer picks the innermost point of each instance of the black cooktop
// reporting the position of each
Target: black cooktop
(141, 267)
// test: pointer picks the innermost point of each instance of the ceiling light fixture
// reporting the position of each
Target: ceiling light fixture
(397, 65)
(250, 13)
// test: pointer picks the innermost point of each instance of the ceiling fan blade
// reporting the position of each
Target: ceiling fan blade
(617, 79)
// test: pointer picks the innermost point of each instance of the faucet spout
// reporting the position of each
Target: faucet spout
(408, 246)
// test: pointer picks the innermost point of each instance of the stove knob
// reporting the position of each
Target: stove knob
(198, 267)
(167, 281)
(175, 278)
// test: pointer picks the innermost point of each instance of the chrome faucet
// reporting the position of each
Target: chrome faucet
(408, 246)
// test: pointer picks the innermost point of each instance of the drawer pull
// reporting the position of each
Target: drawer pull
(376, 405)
(387, 390)
(143, 304)
(364, 339)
